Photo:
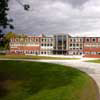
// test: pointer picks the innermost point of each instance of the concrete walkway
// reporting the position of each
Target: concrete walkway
(91, 69)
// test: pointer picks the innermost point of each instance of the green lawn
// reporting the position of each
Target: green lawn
(43, 81)
(95, 61)
(36, 57)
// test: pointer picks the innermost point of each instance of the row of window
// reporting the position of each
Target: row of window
(75, 45)
(92, 53)
(31, 52)
(76, 48)
(76, 40)
(46, 40)
(25, 40)
(88, 39)
(46, 45)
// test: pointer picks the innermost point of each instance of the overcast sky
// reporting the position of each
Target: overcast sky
(57, 16)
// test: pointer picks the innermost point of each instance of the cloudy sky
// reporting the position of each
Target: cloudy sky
(57, 16)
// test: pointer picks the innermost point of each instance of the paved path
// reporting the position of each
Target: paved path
(92, 69)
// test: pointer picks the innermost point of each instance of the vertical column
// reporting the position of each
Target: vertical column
(62, 44)
(56, 44)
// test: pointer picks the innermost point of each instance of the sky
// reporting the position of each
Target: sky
(78, 17)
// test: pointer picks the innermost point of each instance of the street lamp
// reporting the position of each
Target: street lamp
(26, 6)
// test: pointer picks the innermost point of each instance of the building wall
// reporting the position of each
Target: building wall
(91, 46)
(75, 45)
(57, 44)
(46, 46)
(25, 45)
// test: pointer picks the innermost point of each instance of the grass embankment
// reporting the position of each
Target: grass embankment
(43, 81)
(95, 61)
(35, 57)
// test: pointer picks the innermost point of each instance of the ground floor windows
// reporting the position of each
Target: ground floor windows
(46, 52)
(25, 52)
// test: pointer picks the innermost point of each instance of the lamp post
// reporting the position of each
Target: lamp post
(25, 6)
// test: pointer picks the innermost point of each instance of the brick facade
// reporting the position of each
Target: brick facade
(56, 45)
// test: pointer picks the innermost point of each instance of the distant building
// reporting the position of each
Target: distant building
(62, 44)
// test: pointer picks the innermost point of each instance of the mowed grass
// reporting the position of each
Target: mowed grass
(95, 61)
(36, 57)
(21, 80)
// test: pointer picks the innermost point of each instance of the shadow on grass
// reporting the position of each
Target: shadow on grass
(32, 83)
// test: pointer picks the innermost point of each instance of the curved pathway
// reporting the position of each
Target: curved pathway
(91, 69)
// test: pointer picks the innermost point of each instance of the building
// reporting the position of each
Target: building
(91, 47)
(62, 44)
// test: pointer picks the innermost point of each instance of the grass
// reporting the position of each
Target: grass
(94, 61)
(35, 57)
(43, 81)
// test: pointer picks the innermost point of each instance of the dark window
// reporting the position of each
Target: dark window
(73, 44)
(71, 40)
(74, 40)
(77, 44)
(87, 40)
(70, 44)
(94, 40)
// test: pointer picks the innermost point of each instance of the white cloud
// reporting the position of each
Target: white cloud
(57, 16)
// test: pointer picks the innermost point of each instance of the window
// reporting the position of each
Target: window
(87, 40)
(80, 48)
(74, 45)
(74, 40)
(77, 44)
(42, 39)
(94, 40)
(70, 44)
(81, 40)
(36, 40)
(70, 40)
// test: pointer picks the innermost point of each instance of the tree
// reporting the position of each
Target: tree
(7, 38)
(4, 21)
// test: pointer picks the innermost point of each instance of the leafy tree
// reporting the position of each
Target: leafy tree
(7, 38)
(4, 21)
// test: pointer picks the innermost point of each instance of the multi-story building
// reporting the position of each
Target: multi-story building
(62, 44)
(75, 45)
(25, 45)
(91, 47)
(46, 45)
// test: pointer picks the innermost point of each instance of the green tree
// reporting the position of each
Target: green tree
(7, 38)
(4, 21)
